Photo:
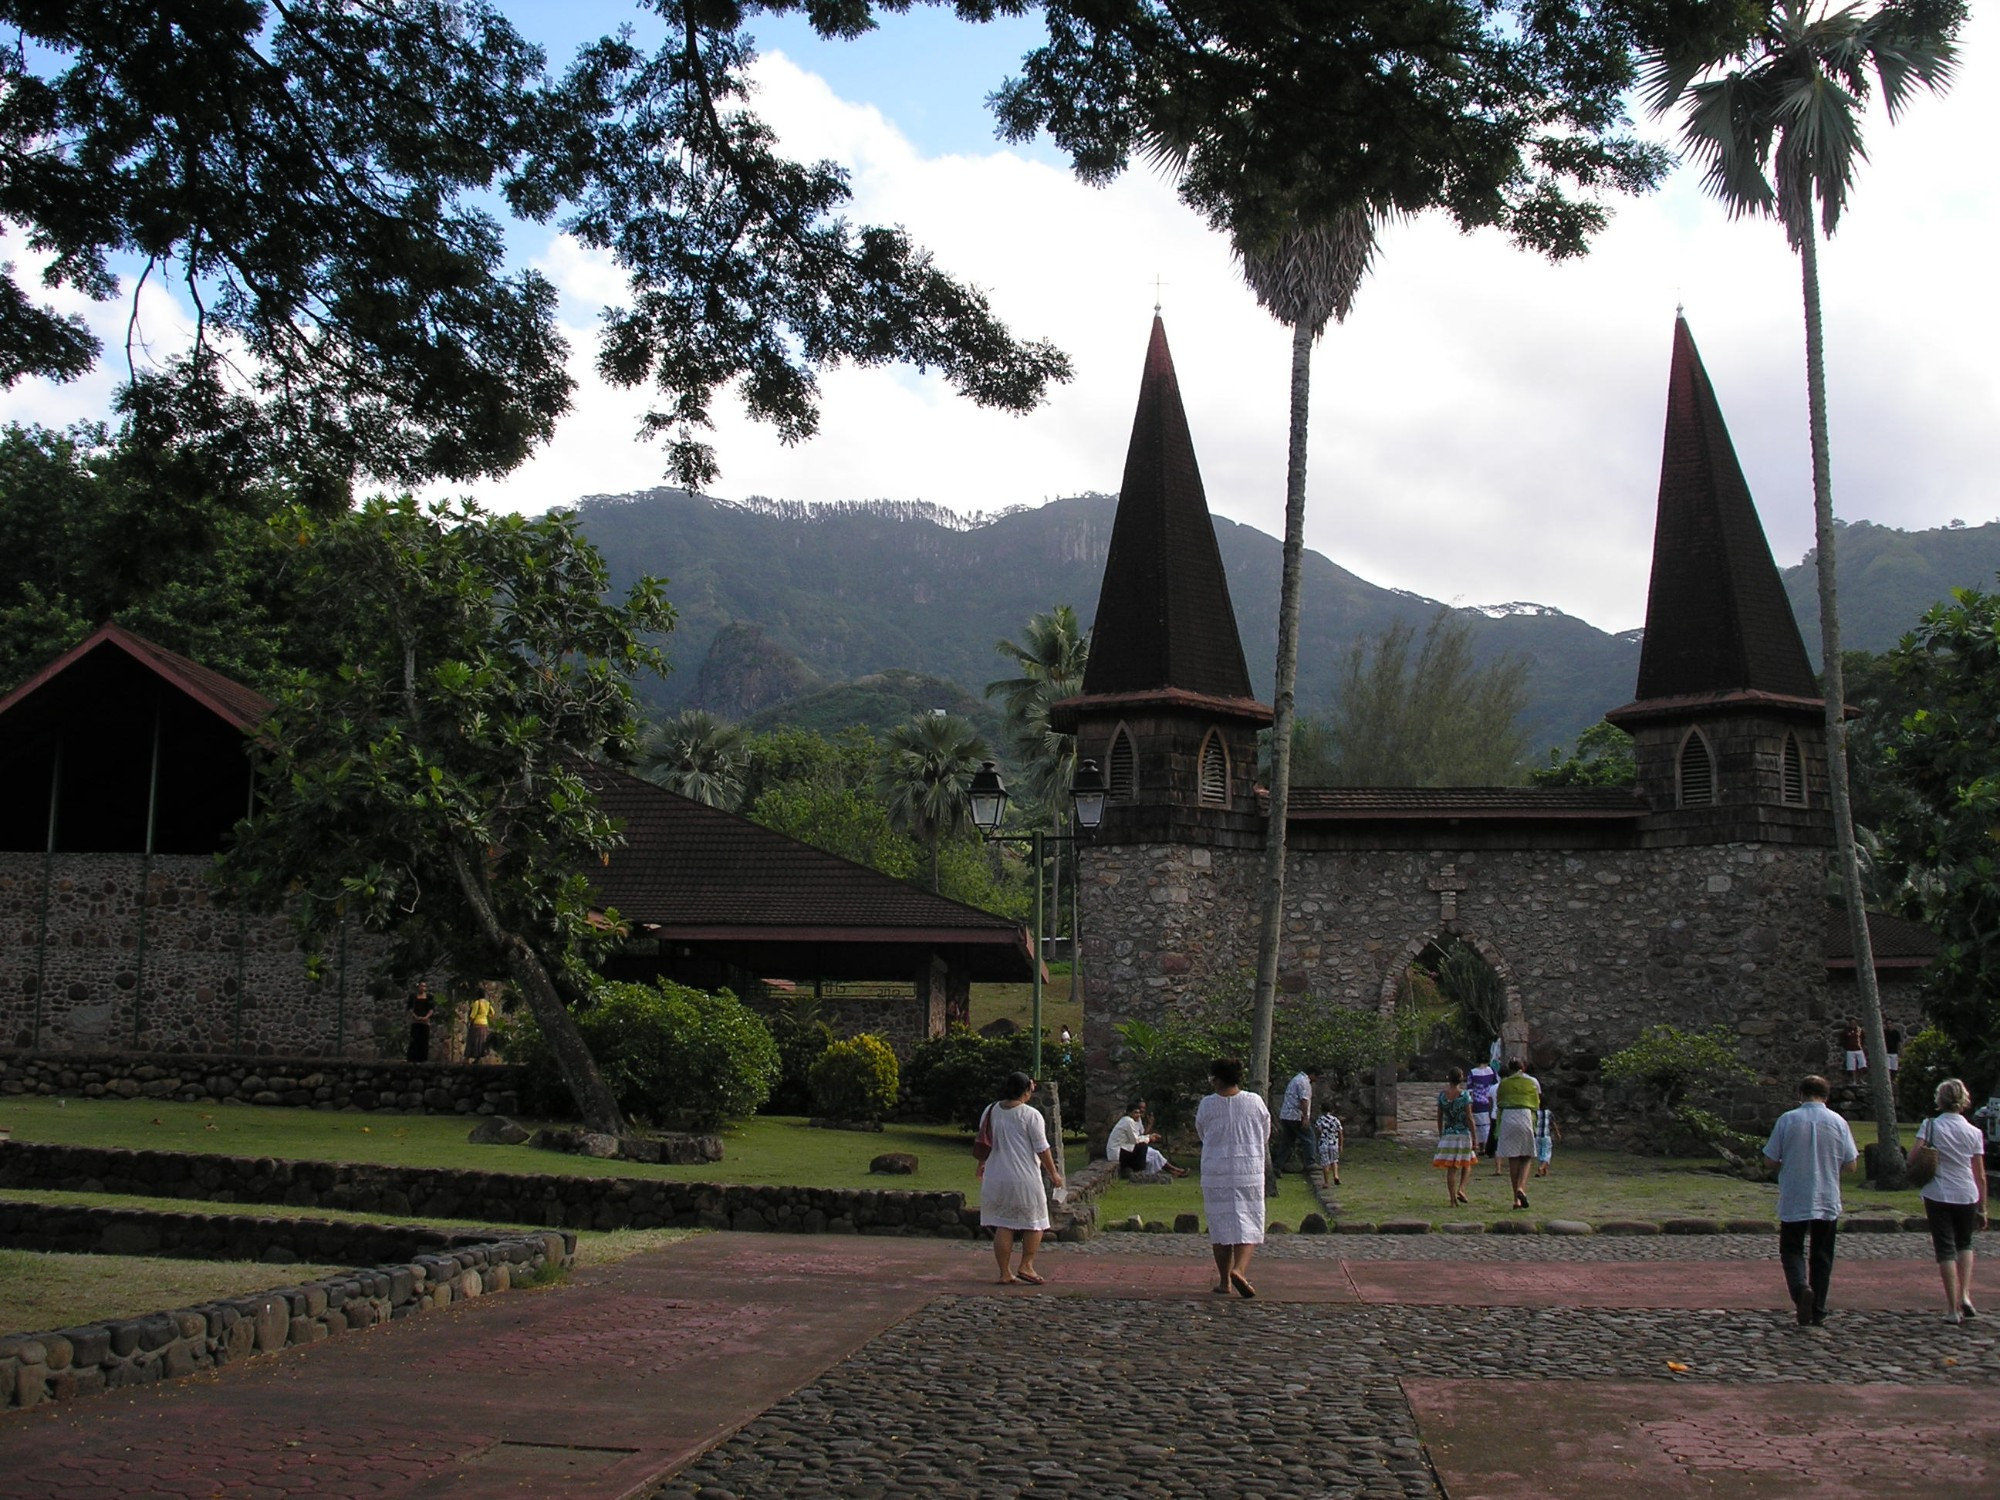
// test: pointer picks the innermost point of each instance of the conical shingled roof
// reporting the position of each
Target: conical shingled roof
(1164, 621)
(1717, 620)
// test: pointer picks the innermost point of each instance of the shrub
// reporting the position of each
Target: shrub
(1676, 1067)
(802, 1039)
(1927, 1059)
(671, 1055)
(854, 1080)
(952, 1078)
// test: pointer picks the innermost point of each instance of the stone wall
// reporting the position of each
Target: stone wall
(519, 1198)
(436, 1269)
(86, 962)
(1593, 946)
(297, 1082)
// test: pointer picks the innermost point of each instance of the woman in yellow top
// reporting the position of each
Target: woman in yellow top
(480, 1019)
(1517, 1101)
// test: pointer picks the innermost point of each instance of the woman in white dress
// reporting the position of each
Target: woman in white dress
(1235, 1131)
(1011, 1197)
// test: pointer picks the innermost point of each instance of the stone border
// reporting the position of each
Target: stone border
(92, 1358)
(518, 1198)
(279, 1082)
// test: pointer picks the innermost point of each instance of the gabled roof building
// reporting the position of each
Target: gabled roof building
(1696, 897)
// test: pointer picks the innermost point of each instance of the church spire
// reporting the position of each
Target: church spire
(1717, 619)
(1164, 618)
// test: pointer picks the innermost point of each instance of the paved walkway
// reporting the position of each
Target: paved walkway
(754, 1366)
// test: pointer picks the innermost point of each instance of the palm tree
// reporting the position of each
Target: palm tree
(927, 764)
(699, 756)
(1305, 276)
(1776, 124)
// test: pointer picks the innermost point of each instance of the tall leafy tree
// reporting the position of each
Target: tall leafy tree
(1775, 120)
(1943, 764)
(1049, 660)
(429, 784)
(924, 776)
(323, 182)
(699, 756)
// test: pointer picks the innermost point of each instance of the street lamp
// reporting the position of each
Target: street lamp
(988, 796)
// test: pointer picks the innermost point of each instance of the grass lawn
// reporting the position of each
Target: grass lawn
(41, 1292)
(776, 1150)
(1015, 1002)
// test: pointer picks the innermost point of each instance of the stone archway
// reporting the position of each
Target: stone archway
(1403, 1109)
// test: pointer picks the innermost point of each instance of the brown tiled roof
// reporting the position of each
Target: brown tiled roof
(227, 699)
(1716, 614)
(697, 872)
(1164, 618)
(1898, 942)
(1508, 802)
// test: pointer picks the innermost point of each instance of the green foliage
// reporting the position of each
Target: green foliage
(1927, 1060)
(323, 179)
(923, 776)
(94, 527)
(699, 756)
(803, 757)
(428, 784)
(1505, 114)
(1476, 992)
(673, 1056)
(840, 820)
(854, 1080)
(1671, 1064)
(1945, 761)
(1168, 1063)
(1888, 578)
(1435, 720)
(802, 1039)
(1603, 757)
(954, 1077)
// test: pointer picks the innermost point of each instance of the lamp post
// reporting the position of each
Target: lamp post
(988, 796)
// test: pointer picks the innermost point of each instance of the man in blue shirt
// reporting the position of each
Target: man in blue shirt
(1295, 1112)
(1812, 1147)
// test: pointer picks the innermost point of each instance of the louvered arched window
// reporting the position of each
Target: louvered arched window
(1214, 771)
(1793, 772)
(1697, 771)
(1121, 770)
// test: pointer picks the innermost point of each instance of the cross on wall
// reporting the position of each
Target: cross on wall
(1448, 883)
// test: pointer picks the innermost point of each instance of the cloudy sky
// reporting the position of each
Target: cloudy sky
(1486, 426)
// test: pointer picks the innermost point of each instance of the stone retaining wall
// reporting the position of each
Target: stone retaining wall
(96, 1357)
(538, 1198)
(299, 1082)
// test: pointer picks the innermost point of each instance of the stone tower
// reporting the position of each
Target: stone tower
(1726, 720)
(1166, 708)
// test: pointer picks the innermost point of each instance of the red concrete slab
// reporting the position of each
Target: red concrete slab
(1872, 1285)
(1671, 1440)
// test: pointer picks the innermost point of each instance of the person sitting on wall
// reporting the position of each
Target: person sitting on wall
(1135, 1148)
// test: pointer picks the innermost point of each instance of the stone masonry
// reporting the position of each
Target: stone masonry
(1592, 944)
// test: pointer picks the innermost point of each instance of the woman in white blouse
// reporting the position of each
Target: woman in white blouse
(1955, 1199)
(1012, 1200)
(1235, 1131)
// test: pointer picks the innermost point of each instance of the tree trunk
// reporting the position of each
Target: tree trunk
(1881, 1097)
(1271, 919)
(596, 1106)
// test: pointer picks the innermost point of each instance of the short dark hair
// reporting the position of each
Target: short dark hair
(1812, 1086)
(1456, 1075)
(1134, 1105)
(1014, 1085)
(1513, 1066)
(1227, 1071)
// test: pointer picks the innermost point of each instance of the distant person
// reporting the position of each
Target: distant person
(1547, 1134)
(1328, 1136)
(1012, 1200)
(423, 1010)
(479, 1028)
(1955, 1199)
(1134, 1147)
(1851, 1049)
(1516, 1103)
(1812, 1147)
(1295, 1113)
(1480, 1085)
(1235, 1132)
(1892, 1045)
(1455, 1152)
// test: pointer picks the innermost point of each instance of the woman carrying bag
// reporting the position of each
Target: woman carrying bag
(1955, 1195)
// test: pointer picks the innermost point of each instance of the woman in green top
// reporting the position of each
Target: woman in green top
(1517, 1102)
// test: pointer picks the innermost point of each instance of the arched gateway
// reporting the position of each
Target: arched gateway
(1604, 910)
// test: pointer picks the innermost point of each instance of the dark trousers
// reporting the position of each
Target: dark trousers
(1805, 1250)
(1294, 1133)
